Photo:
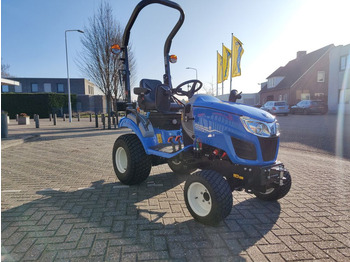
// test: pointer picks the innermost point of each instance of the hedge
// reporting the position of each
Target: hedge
(42, 104)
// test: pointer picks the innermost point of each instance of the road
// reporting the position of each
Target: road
(316, 133)
(62, 202)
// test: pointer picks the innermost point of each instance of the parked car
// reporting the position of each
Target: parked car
(309, 107)
(276, 107)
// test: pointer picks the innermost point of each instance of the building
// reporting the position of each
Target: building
(323, 74)
(339, 80)
(305, 77)
(87, 99)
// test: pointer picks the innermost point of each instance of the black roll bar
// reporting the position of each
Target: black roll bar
(167, 45)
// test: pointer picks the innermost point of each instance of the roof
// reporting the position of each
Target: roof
(294, 69)
(5, 81)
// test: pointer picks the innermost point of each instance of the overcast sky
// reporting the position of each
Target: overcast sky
(272, 31)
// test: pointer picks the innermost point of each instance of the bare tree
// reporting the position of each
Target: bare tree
(5, 69)
(97, 60)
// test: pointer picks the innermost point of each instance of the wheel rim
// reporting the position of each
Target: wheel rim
(121, 160)
(268, 191)
(176, 162)
(199, 199)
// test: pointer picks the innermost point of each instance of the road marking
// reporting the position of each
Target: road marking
(11, 191)
(154, 185)
(86, 188)
(49, 189)
(121, 186)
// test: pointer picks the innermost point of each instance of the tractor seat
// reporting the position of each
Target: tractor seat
(147, 94)
(153, 95)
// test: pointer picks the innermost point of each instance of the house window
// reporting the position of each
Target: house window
(18, 89)
(35, 88)
(274, 81)
(91, 90)
(5, 88)
(60, 88)
(271, 83)
(343, 62)
(320, 76)
(47, 87)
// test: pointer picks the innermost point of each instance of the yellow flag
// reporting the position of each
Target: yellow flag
(236, 57)
(219, 68)
(226, 56)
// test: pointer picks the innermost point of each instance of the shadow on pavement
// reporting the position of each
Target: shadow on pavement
(112, 222)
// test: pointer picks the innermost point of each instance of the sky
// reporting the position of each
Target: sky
(272, 31)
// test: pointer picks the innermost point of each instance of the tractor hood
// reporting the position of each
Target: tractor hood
(211, 102)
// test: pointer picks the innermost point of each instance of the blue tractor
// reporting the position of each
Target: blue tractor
(235, 146)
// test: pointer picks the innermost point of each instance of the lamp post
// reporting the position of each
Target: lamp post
(193, 69)
(69, 100)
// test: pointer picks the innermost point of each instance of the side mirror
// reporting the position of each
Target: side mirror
(115, 49)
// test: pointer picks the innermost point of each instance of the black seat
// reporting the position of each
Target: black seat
(153, 95)
(147, 100)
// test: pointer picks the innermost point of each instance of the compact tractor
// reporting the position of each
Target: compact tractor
(234, 146)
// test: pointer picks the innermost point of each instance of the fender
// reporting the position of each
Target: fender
(146, 141)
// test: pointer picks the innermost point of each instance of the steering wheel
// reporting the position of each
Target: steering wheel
(178, 90)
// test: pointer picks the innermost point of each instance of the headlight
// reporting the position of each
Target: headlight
(260, 128)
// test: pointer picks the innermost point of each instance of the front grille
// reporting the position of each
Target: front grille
(268, 147)
(243, 149)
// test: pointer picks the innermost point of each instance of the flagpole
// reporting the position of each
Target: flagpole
(217, 73)
(222, 70)
(231, 61)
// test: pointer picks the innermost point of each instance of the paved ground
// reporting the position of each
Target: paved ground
(62, 202)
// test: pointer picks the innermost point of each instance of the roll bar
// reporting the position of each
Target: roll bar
(167, 45)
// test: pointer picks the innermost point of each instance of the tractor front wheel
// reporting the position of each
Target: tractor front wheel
(131, 163)
(208, 197)
(278, 192)
(178, 166)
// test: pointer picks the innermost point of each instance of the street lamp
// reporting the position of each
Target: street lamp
(193, 69)
(69, 101)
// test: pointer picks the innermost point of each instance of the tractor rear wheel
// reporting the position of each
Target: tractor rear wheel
(208, 197)
(131, 163)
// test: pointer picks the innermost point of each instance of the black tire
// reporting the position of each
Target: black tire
(277, 192)
(208, 197)
(178, 167)
(131, 163)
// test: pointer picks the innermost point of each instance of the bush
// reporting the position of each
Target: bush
(42, 104)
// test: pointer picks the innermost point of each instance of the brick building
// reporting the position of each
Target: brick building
(305, 77)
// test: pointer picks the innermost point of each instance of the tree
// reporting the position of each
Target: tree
(5, 70)
(97, 60)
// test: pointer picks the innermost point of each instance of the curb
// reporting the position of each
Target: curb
(15, 142)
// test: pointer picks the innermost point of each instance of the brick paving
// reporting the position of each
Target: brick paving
(61, 201)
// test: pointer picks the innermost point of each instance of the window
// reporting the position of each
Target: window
(60, 88)
(274, 81)
(320, 76)
(344, 96)
(282, 103)
(35, 88)
(5, 88)
(18, 89)
(91, 90)
(47, 87)
(343, 62)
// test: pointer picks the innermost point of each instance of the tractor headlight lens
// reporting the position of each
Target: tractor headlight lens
(260, 128)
